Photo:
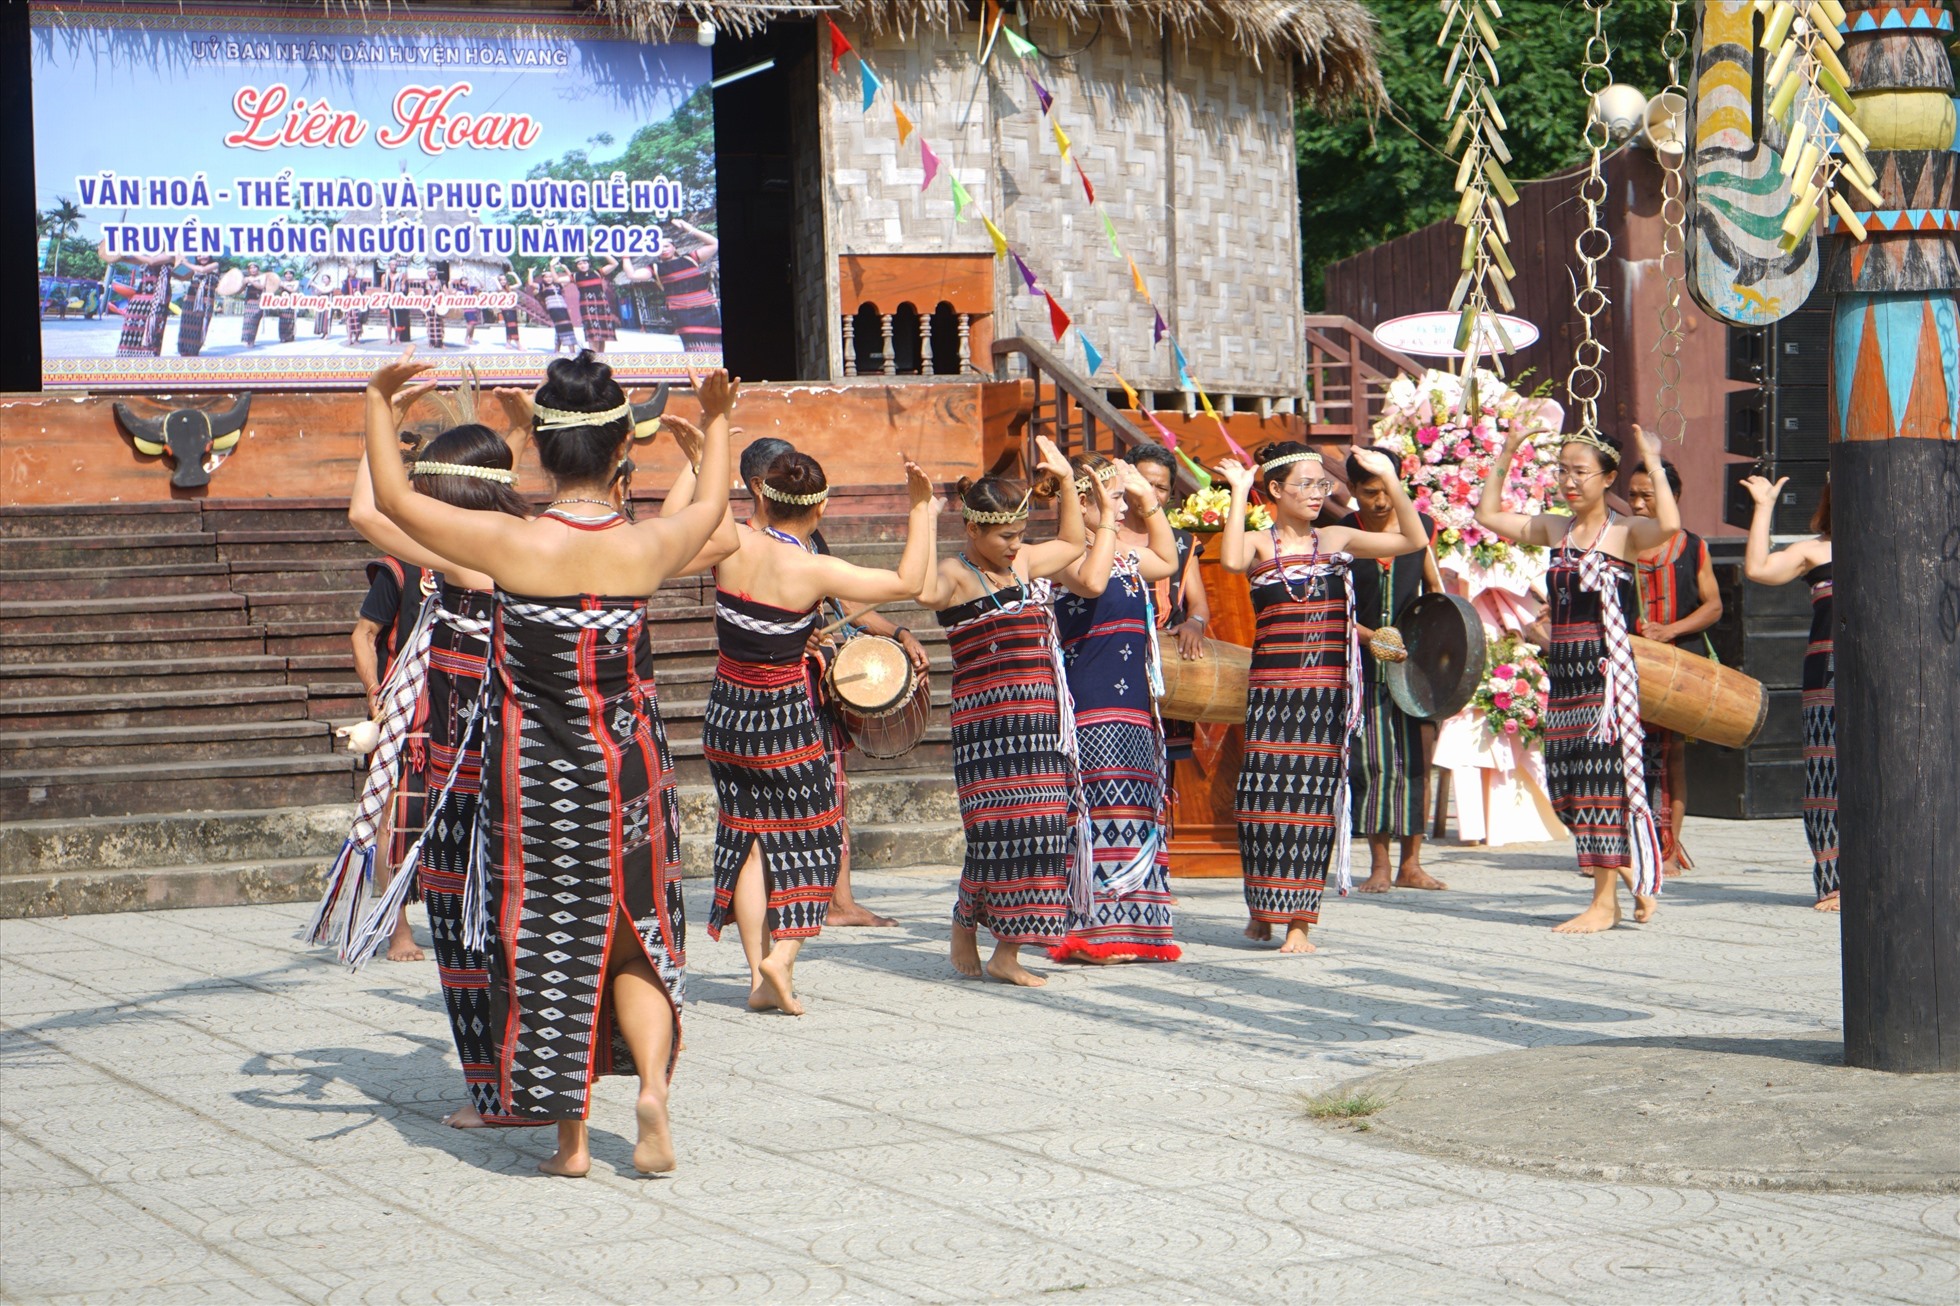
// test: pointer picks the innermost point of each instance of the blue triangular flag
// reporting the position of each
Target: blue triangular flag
(1089, 353)
(871, 83)
(1183, 375)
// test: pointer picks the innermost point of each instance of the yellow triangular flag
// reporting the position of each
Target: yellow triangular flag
(1129, 390)
(1205, 399)
(904, 123)
(1137, 277)
(1000, 241)
(1061, 137)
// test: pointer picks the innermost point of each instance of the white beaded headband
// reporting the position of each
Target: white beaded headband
(980, 518)
(1287, 460)
(796, 500)
(497, 474)
(1594, 442)
(1103, 474)
(560, 419)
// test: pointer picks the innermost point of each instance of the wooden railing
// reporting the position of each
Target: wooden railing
(908, 342)
(1068, 409)
(1348, 372)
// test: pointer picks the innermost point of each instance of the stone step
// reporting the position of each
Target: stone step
(280, 606)
(323, 668)
(53, 520)
(158, 549)
(130, 645)
(205, 741)
(338, 701)
(92, 582)
(161, 708)
(156, 612)
(297, 575)
(82, 893)
(275, 514)
(302, 781)
(120, 843)
(303, 638)
(296, 545)
(189, 677)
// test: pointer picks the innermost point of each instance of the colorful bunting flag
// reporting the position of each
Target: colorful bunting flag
(994, 234)
(870, 82)
(904, 123)
(1041, 93)
(1137, 277)
(1020, 45)
(1058, 321)
(1090, 354)
(1061, 137)
(960, 198)
(1130, 392)
(929, 161)
(839, 47)
(1109, 230)
(1087, 189)
(1027, 275)
(1183, 371)
(1164, 433)
(1157, 328)
(1204, 477)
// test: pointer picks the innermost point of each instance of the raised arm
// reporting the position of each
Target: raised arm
(682, 536)
(1158, 561)
(1645, 533)
(1049, 557)
(1235, 551)
(1408, 537)
(1758, 563)
(1089, 574)
(1517, 527)
(709, 245)
(471, 539)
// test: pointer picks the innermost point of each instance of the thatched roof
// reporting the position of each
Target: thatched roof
(1333, 40)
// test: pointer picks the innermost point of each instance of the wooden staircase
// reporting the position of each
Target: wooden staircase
(170, 675)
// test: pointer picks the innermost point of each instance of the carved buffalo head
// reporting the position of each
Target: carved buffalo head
(188, 435)
(646, 416)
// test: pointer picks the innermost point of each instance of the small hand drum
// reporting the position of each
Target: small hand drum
(1445, 663)
(883, 703)
(231, 282)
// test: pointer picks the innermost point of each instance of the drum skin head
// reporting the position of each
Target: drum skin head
(871, 674)
(1445, 639)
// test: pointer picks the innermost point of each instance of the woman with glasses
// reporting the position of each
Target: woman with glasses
(1304, 698)
(1594, 747)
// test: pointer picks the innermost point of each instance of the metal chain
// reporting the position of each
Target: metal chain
(1586, 383)
(1669, 421)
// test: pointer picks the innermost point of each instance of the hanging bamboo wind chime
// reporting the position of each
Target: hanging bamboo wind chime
(1484, 191)
(1806, 89)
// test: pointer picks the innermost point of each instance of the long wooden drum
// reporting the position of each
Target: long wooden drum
(1212, 688)
(1697, 696)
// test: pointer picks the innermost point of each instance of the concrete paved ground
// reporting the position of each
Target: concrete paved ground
(192, 1108)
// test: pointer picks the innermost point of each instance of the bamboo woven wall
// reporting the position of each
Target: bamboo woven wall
(1213, 195)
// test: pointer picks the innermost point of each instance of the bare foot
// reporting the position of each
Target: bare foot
(567, 1165)
(1829, 902)
(966, 951)
(855, 913)
(1009, 970)
(1414, 877)
(1259, 931)
(1670, 868)
(466, 1117)
(401, 944)
(654, 1152)
(1644, 907)
(1377, 882)
(1599, 916)
(777, 990)
(1296, 940)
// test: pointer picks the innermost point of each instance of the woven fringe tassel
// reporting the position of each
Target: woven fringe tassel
(366, 939)
(1602, 731)
(476, 892)
(1645, 840)
(347, 881)
(1130, 877)
(1343, 840)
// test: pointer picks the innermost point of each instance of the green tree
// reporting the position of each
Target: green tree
(61, 222)
(1364, 180)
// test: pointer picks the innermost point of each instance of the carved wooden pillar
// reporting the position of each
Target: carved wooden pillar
(926, 367)
(1895, 492)
(891, 359)
(966, 345)
(850, 344)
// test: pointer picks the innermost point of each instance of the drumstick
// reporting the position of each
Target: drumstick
(849, 619)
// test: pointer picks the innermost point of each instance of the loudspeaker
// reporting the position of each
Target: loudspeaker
(1788, 423)
(1794, 350)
